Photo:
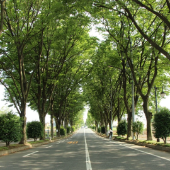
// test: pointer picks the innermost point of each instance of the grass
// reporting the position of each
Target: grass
(120, 137)
(146, 141)
(12, 146)
(38, 141)
(2, 148)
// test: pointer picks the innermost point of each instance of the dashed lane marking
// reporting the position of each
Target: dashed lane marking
(72, 142)
(30, 154)
(49, 146)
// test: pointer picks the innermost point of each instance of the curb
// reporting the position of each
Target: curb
(10, 151)
(156, 147)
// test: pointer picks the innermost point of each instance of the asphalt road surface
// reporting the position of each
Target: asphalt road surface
(86, 151)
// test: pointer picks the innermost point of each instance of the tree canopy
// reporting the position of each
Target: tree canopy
(49, 61)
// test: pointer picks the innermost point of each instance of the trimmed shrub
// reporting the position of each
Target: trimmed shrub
(161, 124)
(103, 130)
(94, 127)
(137, 128)
(99, 129)
(10, 128)
(122, 128)
(34, 130)
(68, 129)
(72, 129)
(62, 131)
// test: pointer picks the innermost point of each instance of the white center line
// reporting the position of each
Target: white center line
(30, 153)
(88, 163)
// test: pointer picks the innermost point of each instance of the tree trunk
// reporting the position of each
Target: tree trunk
(119, 111)
(52, 127)
(2, 15)
(71, 124)
(106, 128)
(58, 127)
(165, 140)
(56, 124)
(129, 130)
(7, 143)
(42, 120)
(149, 127)
(23, 116)
(148, 119)
(96, 124)
(58, 133)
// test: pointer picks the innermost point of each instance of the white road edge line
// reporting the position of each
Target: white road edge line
(147, 153)
(88, 163)
(30, 154)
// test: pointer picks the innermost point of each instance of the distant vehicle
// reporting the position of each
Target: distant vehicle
(86, 127)
(82, 127)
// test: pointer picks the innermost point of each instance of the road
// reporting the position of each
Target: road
(87, 151)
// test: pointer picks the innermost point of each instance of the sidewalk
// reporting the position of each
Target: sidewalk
(4, 144)
(144, 137)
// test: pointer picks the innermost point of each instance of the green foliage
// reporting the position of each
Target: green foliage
(72, 129)
(161, 124)
(34, 130)
(68, 129)
(39, 141)
(137, 128)
(122, 128)
(119, 137)
(93, 127)
(89, 120)
(99, 129)
(10, 128)
(103, 130)
(62, 131)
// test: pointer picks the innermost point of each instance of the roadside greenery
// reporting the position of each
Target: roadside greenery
(10, 126)
(161, 124)
(122, 128)
(62, 131)
(68, 129)
(34, 130)
(137, 128)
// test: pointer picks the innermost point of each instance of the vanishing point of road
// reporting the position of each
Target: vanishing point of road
(87, 151)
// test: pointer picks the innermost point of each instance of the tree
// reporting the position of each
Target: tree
(90, 120)
(159, 14)
(161, 124)
(34, 130)
(10, 126)
(146, 17)
(18, 59)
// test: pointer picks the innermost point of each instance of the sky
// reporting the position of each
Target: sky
(30, 114)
